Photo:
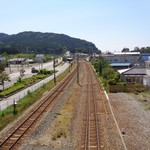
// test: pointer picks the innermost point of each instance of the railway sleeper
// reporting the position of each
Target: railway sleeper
(93, 145)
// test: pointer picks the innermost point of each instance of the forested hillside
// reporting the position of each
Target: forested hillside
(47, 43)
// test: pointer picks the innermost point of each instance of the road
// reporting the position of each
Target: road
(5, 102)
(16, 73)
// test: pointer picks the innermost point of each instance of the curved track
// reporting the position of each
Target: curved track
(12, 141)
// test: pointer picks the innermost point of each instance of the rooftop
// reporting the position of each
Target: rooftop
(127, 53)
(120, 64)
(135, 71)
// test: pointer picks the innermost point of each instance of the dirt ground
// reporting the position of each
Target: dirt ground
(132, 113)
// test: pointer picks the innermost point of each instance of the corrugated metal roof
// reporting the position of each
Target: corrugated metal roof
(123, 70)
(120, 64)
(145, 57)
(136, 71)
(127, 53)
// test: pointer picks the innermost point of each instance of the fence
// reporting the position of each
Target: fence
(16, 97)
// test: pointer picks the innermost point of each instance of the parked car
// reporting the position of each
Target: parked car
(33, 70)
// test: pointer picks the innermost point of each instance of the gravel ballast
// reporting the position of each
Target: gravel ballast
(133, 119)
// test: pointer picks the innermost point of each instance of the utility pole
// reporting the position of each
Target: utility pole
(77, 68)
(9, 65)
(54, 71)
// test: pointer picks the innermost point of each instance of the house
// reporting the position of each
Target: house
(122, 60)
(39, 58)
(107, 57)
(146, 81)
(30, 61)
(143, 58)
(117, 66)
(122, 57)
(2, 60)
(135, 75)
(139, 74)
(17, 60)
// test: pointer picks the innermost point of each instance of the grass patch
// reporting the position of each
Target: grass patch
(21, 84)
(7, 116)
(145, 100)
(12, 89)
(135, 88)
(64, 119)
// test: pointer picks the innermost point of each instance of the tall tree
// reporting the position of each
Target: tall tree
(3, 77)
(2, 67)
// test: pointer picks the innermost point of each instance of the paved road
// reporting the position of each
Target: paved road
(16, 97)
(16, 73)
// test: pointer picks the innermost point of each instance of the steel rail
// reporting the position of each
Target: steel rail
(96, 119)
(55, 93)
(87, 120)
(90, 92)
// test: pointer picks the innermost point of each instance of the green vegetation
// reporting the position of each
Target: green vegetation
(21, 83)
(111, 78)
(143, 50)
(46, 43)
(63, 121)
(135, 88)
(3, 77)
(46, 72)
(7, 115)
(106, 73)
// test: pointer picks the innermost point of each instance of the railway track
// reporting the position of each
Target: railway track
(14, 139)
(91, 138)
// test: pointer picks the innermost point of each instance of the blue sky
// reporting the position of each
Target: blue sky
(110, 24)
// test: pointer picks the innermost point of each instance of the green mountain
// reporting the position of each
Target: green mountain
(46, 43)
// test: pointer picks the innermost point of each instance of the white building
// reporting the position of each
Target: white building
(2, 60)
(39, 58)
(122, 57)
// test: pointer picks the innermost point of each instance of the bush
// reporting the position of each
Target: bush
(46, 72)
(11, 89)
(127, 88)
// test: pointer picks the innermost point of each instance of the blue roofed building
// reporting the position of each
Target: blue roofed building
(143, 58)
(117, 66)
(122, 60)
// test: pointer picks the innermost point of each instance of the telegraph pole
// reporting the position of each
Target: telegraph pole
(77, 68)
(9, 64)
(54, 71)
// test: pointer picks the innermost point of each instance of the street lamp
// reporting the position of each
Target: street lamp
(15, 104)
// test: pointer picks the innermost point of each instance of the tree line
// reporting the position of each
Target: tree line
(46, 43)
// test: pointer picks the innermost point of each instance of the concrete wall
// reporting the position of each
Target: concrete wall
(146, 81)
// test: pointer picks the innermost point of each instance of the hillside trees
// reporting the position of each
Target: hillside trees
(46, 43)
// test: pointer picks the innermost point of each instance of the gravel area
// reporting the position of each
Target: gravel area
(41, 139)
(131, 111)
(132, 117)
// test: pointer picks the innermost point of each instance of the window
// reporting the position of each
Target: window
(115, 60)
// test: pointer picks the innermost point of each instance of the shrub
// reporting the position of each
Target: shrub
(11, 89)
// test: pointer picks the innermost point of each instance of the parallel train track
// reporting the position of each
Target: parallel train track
(13, 140)
(91, 140)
